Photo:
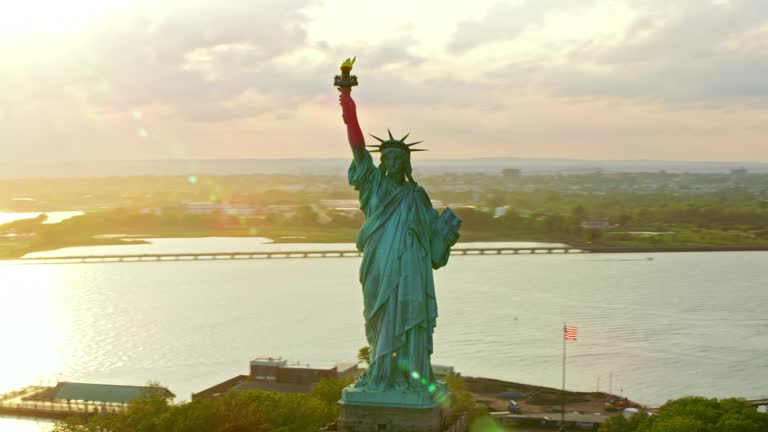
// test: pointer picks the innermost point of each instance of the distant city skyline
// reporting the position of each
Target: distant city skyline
(197, 79)
(339, 166)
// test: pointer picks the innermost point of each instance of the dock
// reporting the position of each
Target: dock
(29, 402)
(68, 399)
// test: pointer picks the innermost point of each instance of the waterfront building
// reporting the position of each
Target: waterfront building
(276, 374)
(596, 224)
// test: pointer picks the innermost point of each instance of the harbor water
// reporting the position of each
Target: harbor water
(651, 326)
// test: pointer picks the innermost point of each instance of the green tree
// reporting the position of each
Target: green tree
(478, 417)
(480, 420)
(462, 400)
(694, 414)
(364, 355)
(617, 423)
(593, 235)
(622, 220)
(328, 391)
(579, 212)
(235, 411)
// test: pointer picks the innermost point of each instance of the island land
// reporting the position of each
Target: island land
(475, 397)
(595, 209)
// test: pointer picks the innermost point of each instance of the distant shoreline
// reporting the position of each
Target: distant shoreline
(338, 166)
(101, 229)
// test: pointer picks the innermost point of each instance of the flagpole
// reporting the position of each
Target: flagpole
(562, 407)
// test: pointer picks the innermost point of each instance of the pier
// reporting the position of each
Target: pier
(35, 402)
(68, 399)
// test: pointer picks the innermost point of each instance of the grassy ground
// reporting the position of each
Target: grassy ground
(537, 399)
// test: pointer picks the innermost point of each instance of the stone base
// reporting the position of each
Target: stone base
(352, 395)
(366, 418)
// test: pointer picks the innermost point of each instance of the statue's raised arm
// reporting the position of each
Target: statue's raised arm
(345, 82)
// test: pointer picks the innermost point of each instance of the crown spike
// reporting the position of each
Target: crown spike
(393, 143)
(380, 140)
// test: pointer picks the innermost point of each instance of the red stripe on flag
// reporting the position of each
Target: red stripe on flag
(569, 333)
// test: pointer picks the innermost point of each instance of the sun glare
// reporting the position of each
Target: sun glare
(30, 18)
(29, 313)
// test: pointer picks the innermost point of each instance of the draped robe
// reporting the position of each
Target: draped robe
(400, 309)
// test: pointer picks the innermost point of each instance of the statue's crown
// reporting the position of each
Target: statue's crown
(394, 143)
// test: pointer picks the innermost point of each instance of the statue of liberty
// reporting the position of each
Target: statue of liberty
(403, 239)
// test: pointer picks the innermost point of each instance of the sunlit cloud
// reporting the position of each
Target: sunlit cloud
(547, 78)
(29, 19)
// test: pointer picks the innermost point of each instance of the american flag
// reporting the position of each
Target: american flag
(569, 333)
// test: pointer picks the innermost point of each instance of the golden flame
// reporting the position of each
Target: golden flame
(348, 62)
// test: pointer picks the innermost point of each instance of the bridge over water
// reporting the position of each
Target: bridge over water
(349, 253)
(212, 256)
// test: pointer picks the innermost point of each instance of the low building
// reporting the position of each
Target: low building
(596, 224)
(276, 374)
(279, 371)
(442, 370)
(209, 207)
(341, 205)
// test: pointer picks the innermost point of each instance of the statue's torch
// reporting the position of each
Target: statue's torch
(345, 81)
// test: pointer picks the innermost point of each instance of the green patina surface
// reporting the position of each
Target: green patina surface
(405, 398)
(403, 239)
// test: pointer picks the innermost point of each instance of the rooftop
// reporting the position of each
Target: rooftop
(105, 392)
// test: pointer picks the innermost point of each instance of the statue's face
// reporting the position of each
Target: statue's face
(395, 161)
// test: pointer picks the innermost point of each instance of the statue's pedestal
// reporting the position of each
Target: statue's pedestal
(392, 411)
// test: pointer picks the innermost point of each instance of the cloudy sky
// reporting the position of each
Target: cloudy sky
(589, 79)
